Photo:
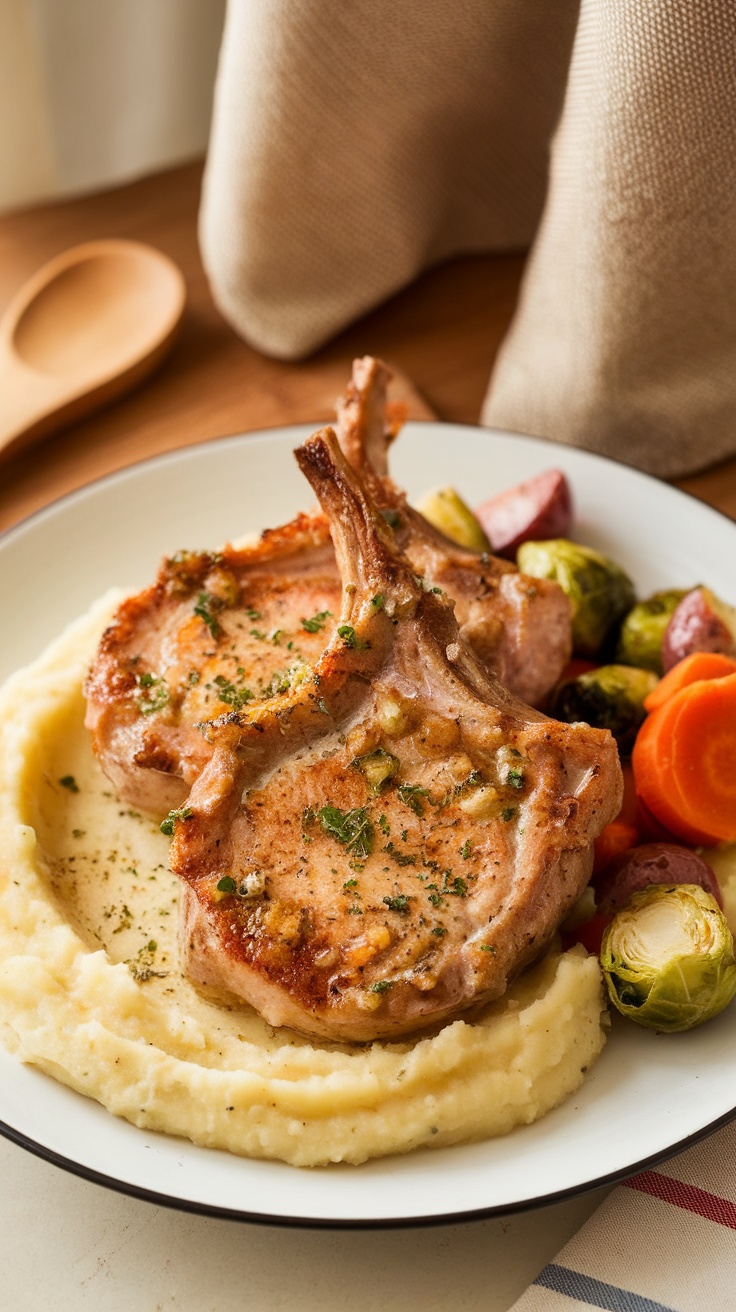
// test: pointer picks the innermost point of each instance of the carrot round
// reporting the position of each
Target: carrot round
(684, 761)
(699, 665)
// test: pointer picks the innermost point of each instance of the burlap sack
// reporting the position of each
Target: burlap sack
(356, 142)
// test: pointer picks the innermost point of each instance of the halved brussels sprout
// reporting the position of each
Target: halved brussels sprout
(641, 633)
(611, 697)
(599, 589)
(446, 510)
(668, 958)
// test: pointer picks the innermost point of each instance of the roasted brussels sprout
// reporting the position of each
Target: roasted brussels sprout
(599, 590)
(642, 630)
(668, 958)
(447, 511)
(611, 697)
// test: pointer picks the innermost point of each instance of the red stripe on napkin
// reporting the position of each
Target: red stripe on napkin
(687, 1196)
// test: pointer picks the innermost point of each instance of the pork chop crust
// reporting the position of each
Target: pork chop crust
(214, 633)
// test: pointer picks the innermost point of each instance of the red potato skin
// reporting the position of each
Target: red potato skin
(697, 625)
(540, 508)
(652, 863)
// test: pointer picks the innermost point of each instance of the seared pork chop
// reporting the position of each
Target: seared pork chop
(519, 626)
(222, 630)
(389, 843)
(214, 633)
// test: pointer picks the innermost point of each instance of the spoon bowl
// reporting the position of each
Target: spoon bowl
(85, 328)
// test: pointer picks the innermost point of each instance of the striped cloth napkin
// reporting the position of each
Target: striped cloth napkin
(661, 1242)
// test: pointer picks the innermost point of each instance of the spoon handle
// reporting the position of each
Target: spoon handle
(29, 404)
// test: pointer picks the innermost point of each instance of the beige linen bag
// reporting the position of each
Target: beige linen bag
(356, 142)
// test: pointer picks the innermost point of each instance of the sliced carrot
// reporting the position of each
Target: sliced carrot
(699, 665)
(612, 842)
(684, 762)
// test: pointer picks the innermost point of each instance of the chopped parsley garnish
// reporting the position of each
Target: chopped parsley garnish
(206, 608)
(351, 639)
(509, 812)
(251, 885)
(392, 518)
(350, 883)
(142, 968)
(487, 947)
(515, 779)
(439, 931)
(167, 825)
(323, 706)
(378, 602)
(411, 795)
(381, 986)
(252, 614)
(401, 858)
(399, 903)
(451, 887)
(351, 828)
(153, 694)
(384, 825)
(317, 622)
(232, 694)
(283, 680)
(465, 849)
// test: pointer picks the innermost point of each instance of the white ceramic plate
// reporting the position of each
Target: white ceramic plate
(647, 1096)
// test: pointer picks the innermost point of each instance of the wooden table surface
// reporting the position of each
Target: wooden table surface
(442, 332)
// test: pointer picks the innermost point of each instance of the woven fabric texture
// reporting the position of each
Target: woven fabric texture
(354, 145)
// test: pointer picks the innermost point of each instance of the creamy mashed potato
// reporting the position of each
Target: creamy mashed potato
(90, 990)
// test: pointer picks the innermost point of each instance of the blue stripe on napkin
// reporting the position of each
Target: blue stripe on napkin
(595, 1292)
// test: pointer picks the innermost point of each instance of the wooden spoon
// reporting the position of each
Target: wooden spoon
(86, 327)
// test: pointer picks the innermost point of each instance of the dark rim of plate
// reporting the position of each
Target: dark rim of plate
(340, 1223)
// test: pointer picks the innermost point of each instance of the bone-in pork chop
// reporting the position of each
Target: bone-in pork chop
(521, 627)
(219, 631)
(388, 844)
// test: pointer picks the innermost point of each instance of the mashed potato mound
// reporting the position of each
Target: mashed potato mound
(90, 991)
